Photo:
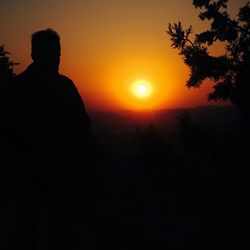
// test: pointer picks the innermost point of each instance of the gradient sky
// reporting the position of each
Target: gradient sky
(109, 44)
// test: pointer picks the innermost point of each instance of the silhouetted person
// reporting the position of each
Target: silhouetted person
(47, 130)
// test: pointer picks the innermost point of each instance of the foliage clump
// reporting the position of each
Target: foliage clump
(229, 72)
(6, 65)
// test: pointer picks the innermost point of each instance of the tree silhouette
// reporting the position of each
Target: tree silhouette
(6, 65)
(229, 72)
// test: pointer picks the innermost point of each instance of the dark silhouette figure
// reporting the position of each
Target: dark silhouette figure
(46, 134)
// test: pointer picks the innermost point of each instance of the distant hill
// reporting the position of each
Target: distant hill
(214, 117)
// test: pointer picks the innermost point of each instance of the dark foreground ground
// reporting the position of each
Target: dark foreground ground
(163, 180)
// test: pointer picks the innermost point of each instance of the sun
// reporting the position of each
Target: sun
(141, 88)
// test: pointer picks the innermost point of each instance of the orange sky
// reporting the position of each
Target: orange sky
(109, 44)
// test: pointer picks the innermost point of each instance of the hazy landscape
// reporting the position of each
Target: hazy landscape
(117, 130)
(161, 182)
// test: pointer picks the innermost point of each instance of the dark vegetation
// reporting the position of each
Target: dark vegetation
(6, 65)
(228, 71)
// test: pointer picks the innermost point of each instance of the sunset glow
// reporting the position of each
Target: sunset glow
(109, 45)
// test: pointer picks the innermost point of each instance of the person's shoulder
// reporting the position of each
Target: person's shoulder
(10, 88)
(18, 78)
(65, 79)
(12, 82)
(67, 82)
(17, 83)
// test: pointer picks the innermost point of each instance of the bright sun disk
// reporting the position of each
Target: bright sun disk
(141, 88)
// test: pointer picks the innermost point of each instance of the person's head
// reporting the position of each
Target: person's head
(46, 49)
